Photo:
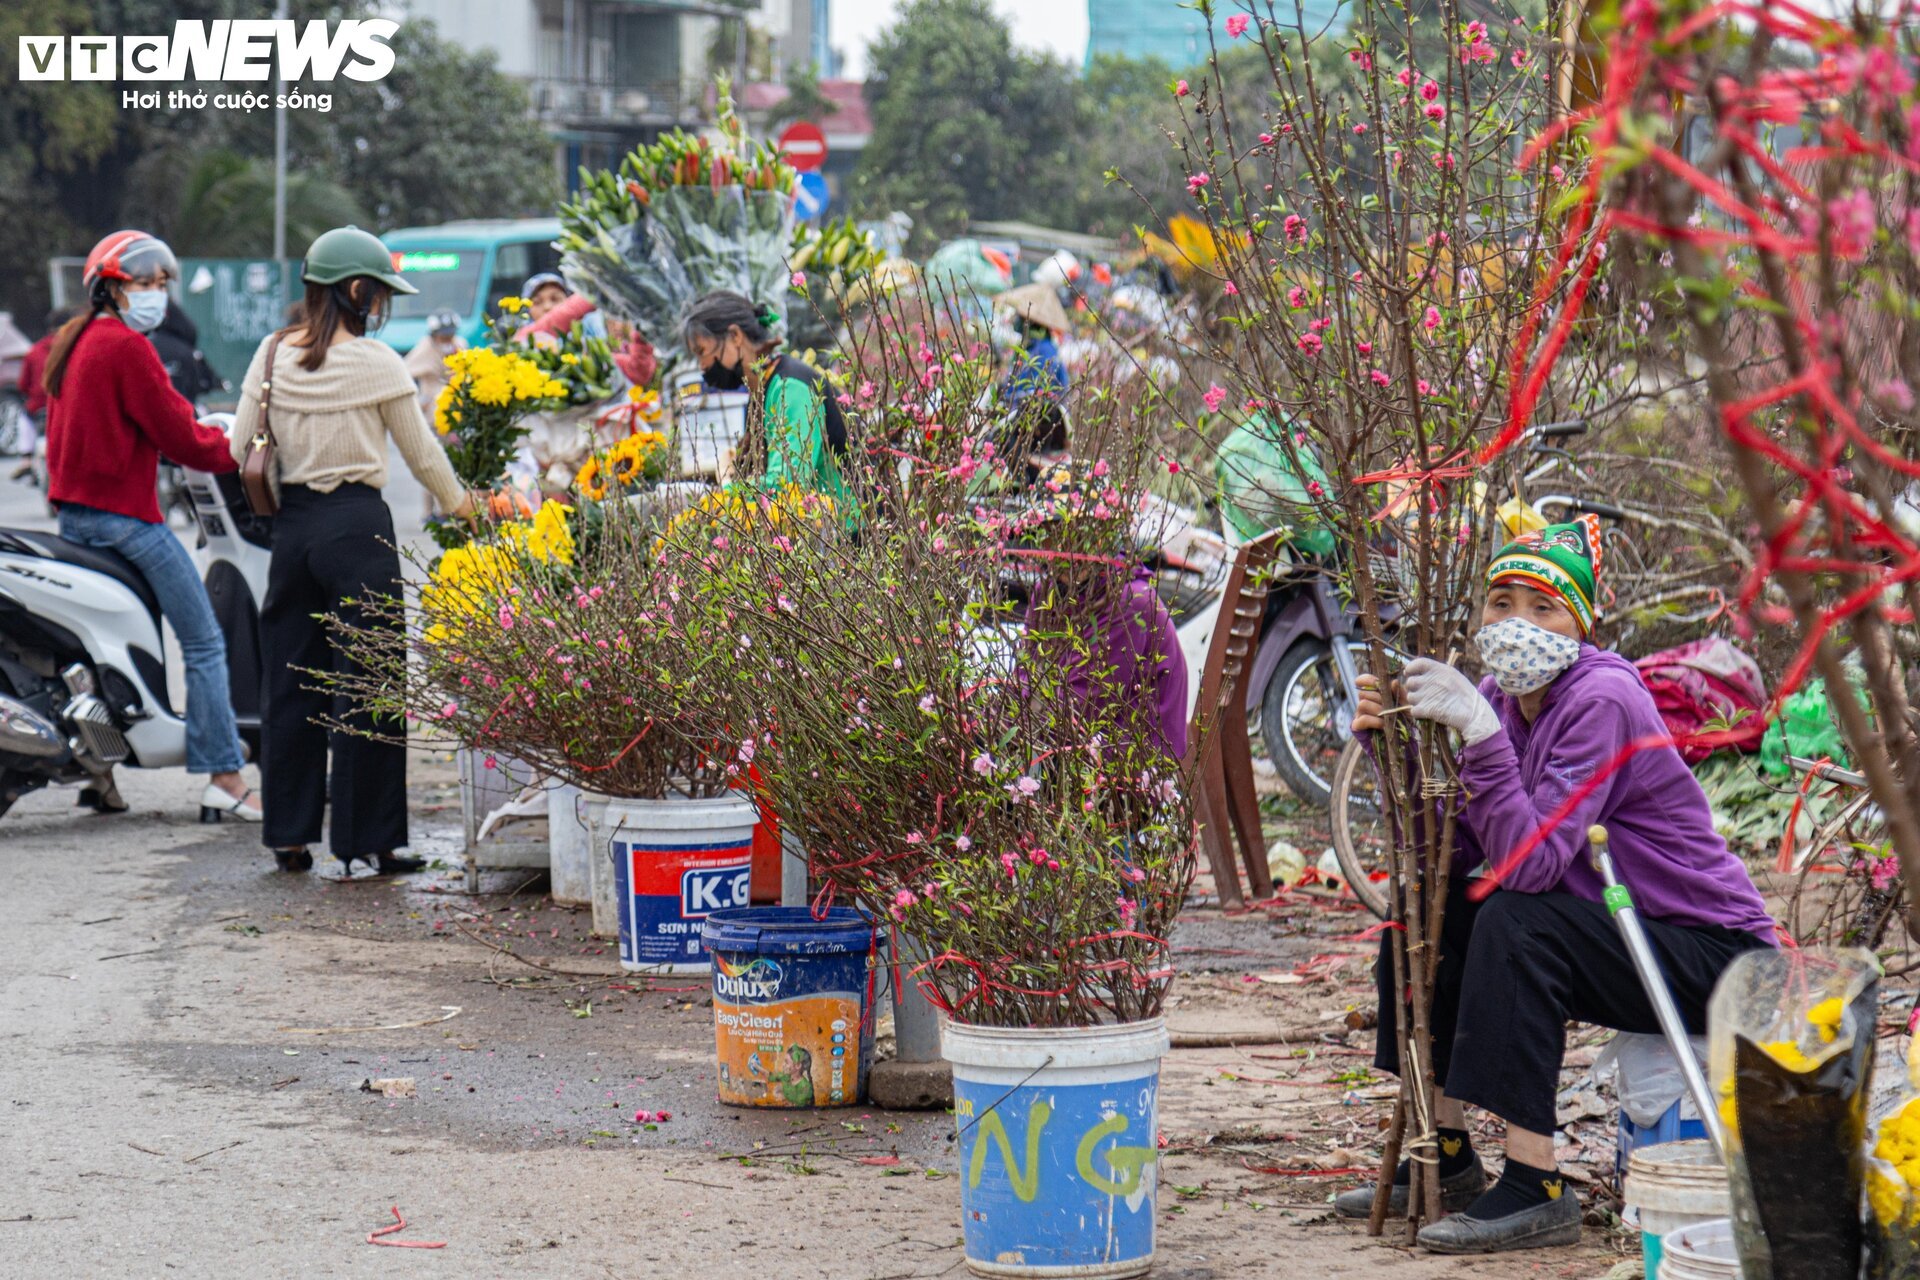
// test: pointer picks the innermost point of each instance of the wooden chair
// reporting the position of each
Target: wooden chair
(1222, 773)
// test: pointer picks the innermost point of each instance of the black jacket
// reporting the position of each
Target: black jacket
(178, 342)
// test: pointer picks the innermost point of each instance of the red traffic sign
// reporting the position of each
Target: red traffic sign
(804, 146)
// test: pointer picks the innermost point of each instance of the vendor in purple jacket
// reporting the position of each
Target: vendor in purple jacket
(1541, 950)
(1143, 669)
(1095, 612)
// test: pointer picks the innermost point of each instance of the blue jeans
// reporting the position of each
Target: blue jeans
(213, 743)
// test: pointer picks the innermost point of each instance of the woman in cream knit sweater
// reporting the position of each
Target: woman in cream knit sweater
(335, 397)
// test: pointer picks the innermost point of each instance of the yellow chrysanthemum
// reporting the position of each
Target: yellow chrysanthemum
(731, 508)
(513, 305)
(1825, 1018)
(1895, 1197)
(492, 388)
(546, 537)
(465, 582)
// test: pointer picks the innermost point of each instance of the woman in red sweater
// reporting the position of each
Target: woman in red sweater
(112, 411)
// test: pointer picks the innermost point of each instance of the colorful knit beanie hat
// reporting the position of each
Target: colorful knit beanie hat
(1561, 560)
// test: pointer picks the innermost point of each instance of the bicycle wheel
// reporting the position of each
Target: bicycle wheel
(1847, 890)
(1361, 837)
(1304, 716)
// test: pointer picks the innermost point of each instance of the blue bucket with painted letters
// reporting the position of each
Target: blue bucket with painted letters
(1058, 1147)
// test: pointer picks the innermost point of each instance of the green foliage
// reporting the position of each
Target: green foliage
(965, 126)
(226, 207)
(1126, 111)
(804, 101)
(445, 136)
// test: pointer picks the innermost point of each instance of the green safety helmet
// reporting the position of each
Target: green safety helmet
(346, 252)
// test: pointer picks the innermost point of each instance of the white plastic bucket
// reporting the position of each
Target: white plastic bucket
(671, 863)
(569, 866)
(1058, 1147)
(1703, 1251)
(1672, 1186)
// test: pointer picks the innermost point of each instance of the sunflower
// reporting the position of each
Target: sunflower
(636, 458)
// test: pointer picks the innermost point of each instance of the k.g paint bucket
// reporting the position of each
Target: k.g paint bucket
(792, 1000)
(1059, 1147)
(675, 862)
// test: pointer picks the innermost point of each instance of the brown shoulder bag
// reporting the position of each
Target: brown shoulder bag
(257, 464)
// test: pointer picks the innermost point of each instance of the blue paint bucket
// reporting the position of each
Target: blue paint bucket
(1059, 1147)
(792, 1005)
(674, 863)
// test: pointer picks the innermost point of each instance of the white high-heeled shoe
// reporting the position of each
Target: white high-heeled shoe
(216, 804)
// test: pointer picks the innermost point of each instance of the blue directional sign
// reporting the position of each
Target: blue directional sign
(811, 197)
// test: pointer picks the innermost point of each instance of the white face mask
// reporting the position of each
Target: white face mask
(1523, 657)
(145, 310)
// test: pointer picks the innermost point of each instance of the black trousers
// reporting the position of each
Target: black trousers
(331, 551)
(1516, 968)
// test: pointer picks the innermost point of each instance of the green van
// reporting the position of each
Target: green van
(464, 267)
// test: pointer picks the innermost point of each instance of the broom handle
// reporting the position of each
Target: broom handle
(1620, 905)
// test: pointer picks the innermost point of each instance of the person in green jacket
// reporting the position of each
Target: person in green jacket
(1262, 488)
(800, 427)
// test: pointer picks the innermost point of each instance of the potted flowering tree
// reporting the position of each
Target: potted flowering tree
(590, 661)
(963, 714)
(1384, 270)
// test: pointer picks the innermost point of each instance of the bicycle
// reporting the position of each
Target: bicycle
(1847, 890)
(1638, 585)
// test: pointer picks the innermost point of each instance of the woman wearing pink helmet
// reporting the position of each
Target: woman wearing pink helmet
(111, 412)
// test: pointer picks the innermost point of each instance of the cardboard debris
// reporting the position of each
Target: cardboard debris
(392, 1087)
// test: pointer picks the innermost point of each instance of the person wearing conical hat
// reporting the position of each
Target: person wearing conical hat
(1038, 372)
(1558, 736)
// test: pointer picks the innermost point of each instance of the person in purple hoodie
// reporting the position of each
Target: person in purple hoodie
(1142, 670)
(1096, 615)
(1542, 950)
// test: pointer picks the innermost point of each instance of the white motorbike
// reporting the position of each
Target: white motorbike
(83, 676)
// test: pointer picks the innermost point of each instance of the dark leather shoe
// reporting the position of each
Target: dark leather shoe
(1456, 1193)
(1545, 1226)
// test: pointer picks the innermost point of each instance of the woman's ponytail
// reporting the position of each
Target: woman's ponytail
(64, 340)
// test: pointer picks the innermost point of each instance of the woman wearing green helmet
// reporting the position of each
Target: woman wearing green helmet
(334, 397)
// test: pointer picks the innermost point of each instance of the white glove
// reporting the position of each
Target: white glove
(1435, 691)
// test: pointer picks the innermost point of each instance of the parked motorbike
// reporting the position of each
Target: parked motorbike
(1302, 685)
(83, 683)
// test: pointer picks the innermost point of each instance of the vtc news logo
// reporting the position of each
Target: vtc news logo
(239, 49)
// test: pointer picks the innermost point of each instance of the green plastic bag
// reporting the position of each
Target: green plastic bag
(1804, 728)
(1261, 490)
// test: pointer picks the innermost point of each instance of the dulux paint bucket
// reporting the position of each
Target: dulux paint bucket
(674, 862)
(792, 1005)
(1058, 1147)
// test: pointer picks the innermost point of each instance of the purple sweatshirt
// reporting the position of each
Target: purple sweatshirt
(1659, 825)
(1143, 663)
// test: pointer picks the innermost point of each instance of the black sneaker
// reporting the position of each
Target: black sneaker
(1545, 1226)
(1456, 1193)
